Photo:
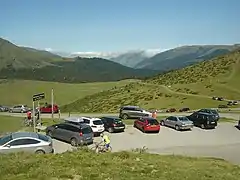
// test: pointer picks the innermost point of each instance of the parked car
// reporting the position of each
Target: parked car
(177, 122)
(220, 98)
(215, 98)
(113, 124)
(127, 112)
(231, 103)
(19, 109)
(211, 111)
(48, 108)
(238, 125)
(26, 141)
(171, 110)
(184, 109)
(79, 134)
(203, 120)
(4, 108)
(95, 123)
(222, 106)
(147, 124)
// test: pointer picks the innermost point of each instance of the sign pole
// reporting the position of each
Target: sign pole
(52, 103)
(34, 122)
(39, 113)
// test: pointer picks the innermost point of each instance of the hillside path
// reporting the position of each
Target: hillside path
(174, 92)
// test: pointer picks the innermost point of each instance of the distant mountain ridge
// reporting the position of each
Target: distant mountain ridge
(183, 56)
(32, 64)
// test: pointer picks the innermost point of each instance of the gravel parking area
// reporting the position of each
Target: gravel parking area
(222, 142)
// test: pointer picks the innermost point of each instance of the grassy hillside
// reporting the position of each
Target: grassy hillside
(189, 87)
(12, 56)
(20, 92)
(183, 56)
(79, 70)
(219, 77)
(31, 64)
(122, 165)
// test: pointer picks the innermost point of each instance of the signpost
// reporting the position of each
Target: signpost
(36, 97)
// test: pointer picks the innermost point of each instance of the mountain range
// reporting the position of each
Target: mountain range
(162, 60)
(33, 64)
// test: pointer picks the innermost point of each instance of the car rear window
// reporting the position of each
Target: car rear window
(97, 122)
(87, 130)
(183, 119)
(153, 122)
(5, 139)
(43, 137)
(117, 121)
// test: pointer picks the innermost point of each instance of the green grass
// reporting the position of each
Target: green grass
(144, 95)
(191, 87)
(20, 91)
(86, 165)
(218, 77)
(10, 124)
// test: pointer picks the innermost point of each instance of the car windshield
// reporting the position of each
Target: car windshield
(97, 122)
(43, 137)
(87, 130)
(5, 139)
(153, 122)
(183, 118)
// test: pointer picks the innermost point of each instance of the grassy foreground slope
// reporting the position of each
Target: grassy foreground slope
(192, 86)
(122, 165)
(20, 91)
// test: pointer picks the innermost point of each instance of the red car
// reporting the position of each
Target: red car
(147, 124)
(48, 109)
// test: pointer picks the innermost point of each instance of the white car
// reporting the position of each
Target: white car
(95, 123)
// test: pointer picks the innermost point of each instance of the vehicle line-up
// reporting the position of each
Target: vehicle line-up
(81, 130)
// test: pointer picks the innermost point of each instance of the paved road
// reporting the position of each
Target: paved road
(232, 115)
(222, 142)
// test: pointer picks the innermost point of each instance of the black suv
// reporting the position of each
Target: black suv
(203, 120)
(113, 124)
(210, 111)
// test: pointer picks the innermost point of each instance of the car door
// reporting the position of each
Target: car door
(105, 122)
(171, 122)
(60, 131)
(167, 121)
(18, 145)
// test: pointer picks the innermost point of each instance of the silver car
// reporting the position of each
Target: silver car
(177, 122)
(26, 141)
(76, 134)
(19, 109)
(127, 112)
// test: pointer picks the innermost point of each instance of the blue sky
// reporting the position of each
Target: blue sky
(119, 25)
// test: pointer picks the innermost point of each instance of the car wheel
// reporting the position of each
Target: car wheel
(73, 142)
(40, 152)
(177, 127)
(125, 116)
(134, 125)
(162, 123)
(110, 130)
(202, 126)
(49, 133)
